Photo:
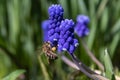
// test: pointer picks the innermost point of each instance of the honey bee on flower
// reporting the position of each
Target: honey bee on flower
(49, 51)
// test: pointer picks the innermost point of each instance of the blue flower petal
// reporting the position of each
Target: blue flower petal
(83, 19)
(56, 36)
(61, 41)
(51, 32)
(69, 39)
(71, 49)
(59, 48)
(75, 42)
(65, 46)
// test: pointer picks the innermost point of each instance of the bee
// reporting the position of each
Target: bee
(49, 51)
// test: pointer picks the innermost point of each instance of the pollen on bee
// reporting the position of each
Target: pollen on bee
(53, 48)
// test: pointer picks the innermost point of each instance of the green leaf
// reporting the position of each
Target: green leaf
(82, 7)
(104, 20)
(64, 3)
(14, 20)
(101, 7)
(116, 27)
(116, 32)
(14, 75)
(109, 73)
(74, 8)
(93, 32)
(44, 70)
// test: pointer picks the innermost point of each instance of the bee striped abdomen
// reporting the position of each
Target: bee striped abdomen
(51, 55)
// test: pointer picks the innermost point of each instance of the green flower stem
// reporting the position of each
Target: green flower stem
(83, 68)
(43, 68)
(69, 62)
(91, 55)
(87, 71)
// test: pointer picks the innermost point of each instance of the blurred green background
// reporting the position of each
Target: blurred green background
(21, 34)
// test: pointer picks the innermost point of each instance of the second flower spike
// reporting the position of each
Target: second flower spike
(67, 42)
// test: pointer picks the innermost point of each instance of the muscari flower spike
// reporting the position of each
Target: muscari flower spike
(67, 42)
(45, 29)
(55, 18)
(81, 28)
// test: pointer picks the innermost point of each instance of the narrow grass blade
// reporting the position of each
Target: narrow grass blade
(93, 23)
(82, 7)
(116, 27)
(109, 73)
(64, 3)
(43, 68)
(13, 15)
(101, 7)
(104, 20)
(116, 32)
(74, 8)
(92, 34)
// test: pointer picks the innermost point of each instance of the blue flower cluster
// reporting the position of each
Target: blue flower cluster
(81, 27)
(67, 42)
(55, 17)
(45, 29)
(59, 32)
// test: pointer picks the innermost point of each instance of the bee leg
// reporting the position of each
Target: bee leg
(50, 61)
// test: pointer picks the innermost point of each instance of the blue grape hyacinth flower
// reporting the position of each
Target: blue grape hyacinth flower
(67, 42)
(45, 29)
(55, 18)
(81, 28)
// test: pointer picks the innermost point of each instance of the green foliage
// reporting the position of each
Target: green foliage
(21, 34)
(14, 75)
